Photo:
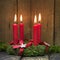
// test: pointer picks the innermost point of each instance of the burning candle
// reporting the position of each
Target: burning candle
(35, 31)
(21, 28)
(15, 31)
(39, 29)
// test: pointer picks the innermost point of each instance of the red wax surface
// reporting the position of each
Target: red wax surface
(15, 33)
(35, 34)
(39, 33)
(21, 31)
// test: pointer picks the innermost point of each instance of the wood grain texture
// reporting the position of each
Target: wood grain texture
(57, 22)
(7, 10)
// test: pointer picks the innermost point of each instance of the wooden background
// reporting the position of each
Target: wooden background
(57, 22)
(28, 8)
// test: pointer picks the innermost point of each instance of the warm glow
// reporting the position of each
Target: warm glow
(35, 19)
(15, 18)
(39, 17)
(21, 17)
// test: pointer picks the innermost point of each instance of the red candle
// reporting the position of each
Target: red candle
(21, 29)
(39, 29)
(15, 31)
(35, 31)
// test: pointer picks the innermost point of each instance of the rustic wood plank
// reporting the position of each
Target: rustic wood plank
(57, 22)
(7, 11)
(36, 58)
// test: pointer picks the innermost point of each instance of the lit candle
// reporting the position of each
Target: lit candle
(39, 29)
(15, 31)
(21, 30)
(35, 31)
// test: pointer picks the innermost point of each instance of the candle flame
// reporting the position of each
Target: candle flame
(35, 19)
(21, 18)
(39, 17)
(15, 18)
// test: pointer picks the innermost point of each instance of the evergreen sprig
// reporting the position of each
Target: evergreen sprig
(34, 50)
